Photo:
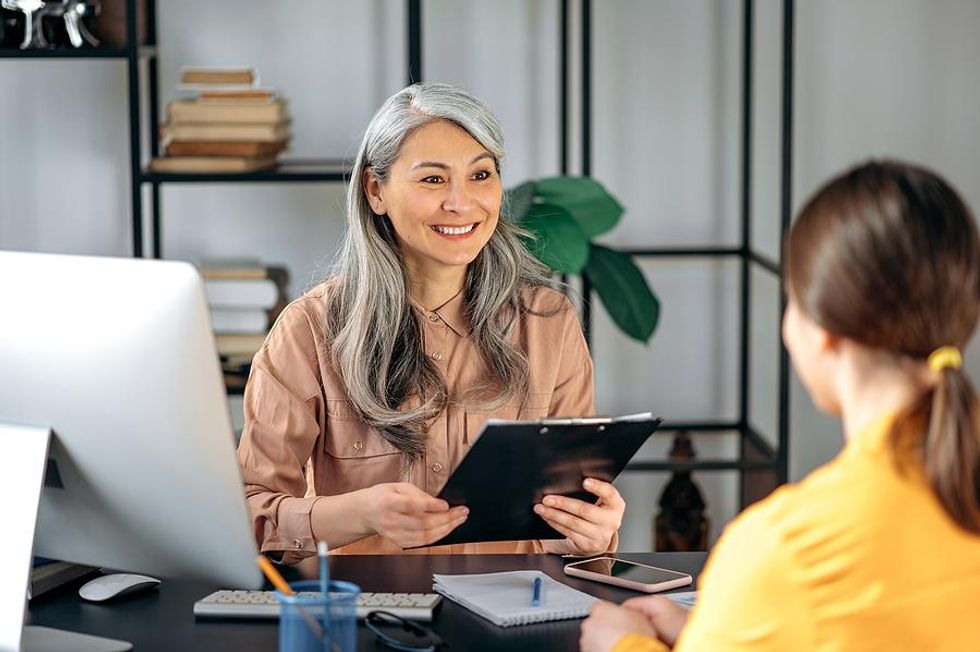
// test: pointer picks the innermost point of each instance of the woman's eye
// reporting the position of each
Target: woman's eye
(432, 179)
(482, 175)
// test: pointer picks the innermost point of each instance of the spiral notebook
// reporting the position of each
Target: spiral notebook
(505, 598)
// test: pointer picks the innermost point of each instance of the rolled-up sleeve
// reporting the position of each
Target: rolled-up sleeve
(283, 419)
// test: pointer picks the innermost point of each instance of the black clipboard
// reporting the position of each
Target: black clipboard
(513, 465)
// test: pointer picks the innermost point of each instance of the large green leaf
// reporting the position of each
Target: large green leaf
(585, 199)
(624, 291)
(518, 200)
(560, 243)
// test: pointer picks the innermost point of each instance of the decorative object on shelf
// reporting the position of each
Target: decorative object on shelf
(564, 214)
(681, 524)
(74, 11)
(41, 32)
(32, 11)
(230, 126)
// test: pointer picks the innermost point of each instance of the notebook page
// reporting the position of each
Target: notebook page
(685, 599)
(505, 598)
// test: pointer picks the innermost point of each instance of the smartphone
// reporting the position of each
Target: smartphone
(628, 574)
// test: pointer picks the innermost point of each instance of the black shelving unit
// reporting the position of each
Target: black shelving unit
(107, 52)
(305, 170)
(132, 53)
(761, 466)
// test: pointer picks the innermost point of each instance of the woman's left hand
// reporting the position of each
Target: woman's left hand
(589, 528)
(607, 623)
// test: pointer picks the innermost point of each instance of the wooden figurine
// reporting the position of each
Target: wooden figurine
(681, 524)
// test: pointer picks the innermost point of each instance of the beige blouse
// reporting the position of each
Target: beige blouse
(303, 438)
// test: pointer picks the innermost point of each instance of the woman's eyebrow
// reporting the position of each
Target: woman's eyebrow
(429, 164)
(444, 166)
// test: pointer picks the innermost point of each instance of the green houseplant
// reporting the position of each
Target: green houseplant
(564, 214)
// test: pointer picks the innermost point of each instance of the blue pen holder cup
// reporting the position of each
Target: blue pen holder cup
(308, 622)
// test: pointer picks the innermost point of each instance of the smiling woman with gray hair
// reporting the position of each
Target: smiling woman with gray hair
(372, 386)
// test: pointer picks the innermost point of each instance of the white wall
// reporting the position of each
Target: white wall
(874, 77)
(885, 78)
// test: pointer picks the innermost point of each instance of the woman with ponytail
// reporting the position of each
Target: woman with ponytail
(880, 548)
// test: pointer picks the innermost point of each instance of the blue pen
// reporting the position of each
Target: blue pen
(536, 598)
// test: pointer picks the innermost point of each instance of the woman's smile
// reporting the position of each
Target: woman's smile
(451, 232)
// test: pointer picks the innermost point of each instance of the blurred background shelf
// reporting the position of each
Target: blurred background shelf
(289, 170)
(107, 52)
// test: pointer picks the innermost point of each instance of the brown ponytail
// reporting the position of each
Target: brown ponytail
(888, 255)
(950, 450)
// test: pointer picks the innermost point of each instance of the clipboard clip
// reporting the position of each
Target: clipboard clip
(590, 421)
(574, 421)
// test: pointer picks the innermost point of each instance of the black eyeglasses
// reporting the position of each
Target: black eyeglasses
(401, 634)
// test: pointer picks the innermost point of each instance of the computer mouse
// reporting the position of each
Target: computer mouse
(115, 585)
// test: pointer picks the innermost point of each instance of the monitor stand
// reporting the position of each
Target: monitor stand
(45, 639)
(22, 468)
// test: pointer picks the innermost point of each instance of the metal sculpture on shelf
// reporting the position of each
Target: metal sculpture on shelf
(33, 34)
(73, 13)
(681, 524)
(70, 12)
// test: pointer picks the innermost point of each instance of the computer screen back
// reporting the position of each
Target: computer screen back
(117, 357)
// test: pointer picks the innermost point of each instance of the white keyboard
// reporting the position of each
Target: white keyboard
(263, 605)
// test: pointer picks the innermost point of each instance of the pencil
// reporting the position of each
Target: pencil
(273, 575)
(280, 583)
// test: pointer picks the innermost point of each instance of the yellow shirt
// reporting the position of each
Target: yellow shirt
(858, 556)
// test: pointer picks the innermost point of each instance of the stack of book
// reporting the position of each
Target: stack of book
(230, 125)
(244, 297)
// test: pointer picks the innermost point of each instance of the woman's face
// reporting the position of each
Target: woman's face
(443, 198)
(809, 346)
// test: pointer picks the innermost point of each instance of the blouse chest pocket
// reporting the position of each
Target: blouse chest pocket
(536, 407)
(355, 456)
(348, 437)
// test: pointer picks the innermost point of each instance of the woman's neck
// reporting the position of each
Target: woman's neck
(872, 388)
(432, 288)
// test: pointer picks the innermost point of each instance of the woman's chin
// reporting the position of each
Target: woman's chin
(458, 260)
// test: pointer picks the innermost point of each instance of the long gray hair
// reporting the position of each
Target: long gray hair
(374, 333)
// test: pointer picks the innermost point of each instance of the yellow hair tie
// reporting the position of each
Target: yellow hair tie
(945, 357)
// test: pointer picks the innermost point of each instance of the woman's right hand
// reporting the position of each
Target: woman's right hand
(406, 515)
(666, 616)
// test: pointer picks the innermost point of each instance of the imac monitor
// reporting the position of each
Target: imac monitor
(116, 356)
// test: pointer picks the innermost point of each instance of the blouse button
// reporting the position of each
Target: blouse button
(437, 467)
(297, 543)
(437, 356)
(433, 316)
(358, 445)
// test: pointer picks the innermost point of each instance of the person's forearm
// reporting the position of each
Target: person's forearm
(339, 520)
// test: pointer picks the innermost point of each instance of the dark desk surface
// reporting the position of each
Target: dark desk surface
(163, 620)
